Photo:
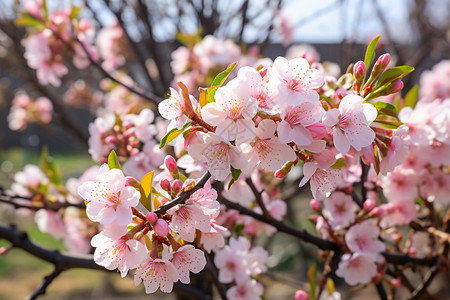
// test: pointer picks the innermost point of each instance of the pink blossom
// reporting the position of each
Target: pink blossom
(400, 184)
(232, 112)
(188, 259)
(248, 289)
(231, 265)
(110, 45)
(206, 199)
(419, 124)
(397, 152)
(305, 51)
(50, 222)
(141, 124)
(173, 109)
(39, 57)
(108, 198)
(363, 238)
(350, 123)
(97, 130)
(239, 192)
(293, 127)
(265, 150)
(115, 250)
(150, 158)
(293, 82)
(186, 218)
(434, 83)
(436, 187)
(420, 244)
(398, 213)
(356, 268)
(340, 210)
(219, 155)
(76, 238)
(214, 239)
(156, 273)
(322, 179)
(31, 176)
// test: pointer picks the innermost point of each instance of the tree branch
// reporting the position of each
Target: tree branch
(183, 197)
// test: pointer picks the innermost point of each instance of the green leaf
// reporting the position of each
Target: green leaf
(27, 19)
(235, 173)
(411, 96)
(387, 121)
(370, 52)
(330, 286)
(75, 12)
(220, 79)
(312, 273)
(113, 161)
(393, 74)
(146, 190)
(49, 168)
(385, 108)
(217, 82)
(171, 135)
(339, 164)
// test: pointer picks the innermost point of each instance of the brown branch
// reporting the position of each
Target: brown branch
(40, 290)
(9, 199)
(258, 198)
(183, 197)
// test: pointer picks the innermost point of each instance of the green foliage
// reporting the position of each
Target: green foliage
(146, 190)
(411, 96)
(113, 161)
(370, 52)
(171, 135)
(235, 173)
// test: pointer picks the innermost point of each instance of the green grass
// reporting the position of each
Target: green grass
(70, 164)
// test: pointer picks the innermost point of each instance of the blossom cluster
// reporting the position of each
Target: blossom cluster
(155, 244)
(26, 110)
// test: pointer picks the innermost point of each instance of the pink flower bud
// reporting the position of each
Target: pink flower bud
(127, 124)
(249, 229)
(152, 217)
(369, 204)
(165, 184)
(315, 205)
(129, 133)
(279, 174)
(110, 139)
(130, 181)
(170, 163)
(359, 70)
(301, 295)
(161, 228)
(396, 282)
(378, 212)
(412, 252)
(134, 151)
(383, 60)
(315, 66)
(176, 186)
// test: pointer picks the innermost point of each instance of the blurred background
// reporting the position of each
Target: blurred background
(414, 32)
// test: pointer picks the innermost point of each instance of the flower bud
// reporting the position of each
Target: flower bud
(161, 228)
(170, 163)
(359, 70)
(281, 173)
(165, 184)
(152, 217)
(378, 212)
(250, 229)
(176, 186)
(126, 124)
(130, 181)
(301, 295)
(315, 205)
(110, 139)
(381, 64)
(369, 204)
(396, 282)
(4, 250)
(393, 88)
(129, 133)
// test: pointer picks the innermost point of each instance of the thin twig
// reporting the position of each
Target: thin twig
(40, 290)
(258, 198)
(381, 291)
(183, 197)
